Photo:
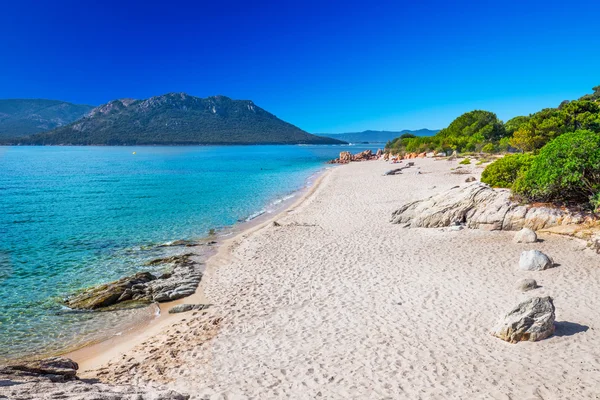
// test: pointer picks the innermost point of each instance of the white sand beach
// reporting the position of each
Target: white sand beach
(336, 303)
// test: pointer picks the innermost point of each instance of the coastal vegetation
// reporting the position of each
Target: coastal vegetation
(482, 131)
(554, 154)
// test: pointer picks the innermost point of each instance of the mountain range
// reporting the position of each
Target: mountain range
(180, 119)
(20, 117)
(376, 136)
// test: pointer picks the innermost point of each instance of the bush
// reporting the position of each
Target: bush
(567, 169)
(505, 171)
(489, 148)
(466, 161)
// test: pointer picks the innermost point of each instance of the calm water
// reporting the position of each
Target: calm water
(71, 217)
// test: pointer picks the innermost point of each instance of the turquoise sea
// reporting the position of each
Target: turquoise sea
(72, 217)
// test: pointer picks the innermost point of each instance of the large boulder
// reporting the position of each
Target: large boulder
(535, 260)
(478, 206)
(180, 281)
(531, 320)
(525, 235)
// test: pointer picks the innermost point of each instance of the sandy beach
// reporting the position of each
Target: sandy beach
(334, 301)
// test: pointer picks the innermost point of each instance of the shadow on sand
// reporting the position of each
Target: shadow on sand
(564, 328)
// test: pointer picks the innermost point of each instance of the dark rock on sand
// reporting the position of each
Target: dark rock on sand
(179, 308)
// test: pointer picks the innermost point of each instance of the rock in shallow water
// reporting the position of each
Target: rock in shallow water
(535, 260)
(143, 287)
(531, 320)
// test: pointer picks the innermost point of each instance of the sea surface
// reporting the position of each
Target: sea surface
(73, 217)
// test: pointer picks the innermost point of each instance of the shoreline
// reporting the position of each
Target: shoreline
(94, 355)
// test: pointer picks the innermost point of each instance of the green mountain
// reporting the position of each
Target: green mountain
(20, 117)
(178, 118)
(376, 136)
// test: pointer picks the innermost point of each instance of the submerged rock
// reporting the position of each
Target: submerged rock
(142, 288)
(525, 235)
(110, 293)
(535, 260)
(479, 206)
(530, 320)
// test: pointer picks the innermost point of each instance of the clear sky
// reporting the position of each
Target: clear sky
(326, 66)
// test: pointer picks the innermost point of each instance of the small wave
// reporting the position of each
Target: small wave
(255, 215)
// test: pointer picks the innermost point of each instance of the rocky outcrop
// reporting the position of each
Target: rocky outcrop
(534, 260)
(346, 157)
(525, 235)
(180, 281)
(55, 378)
(478, 206)
(525, 285)
(531, 320)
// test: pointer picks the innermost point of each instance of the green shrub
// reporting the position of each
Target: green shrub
(489, 148)
(567, 169)
(595, 202)
(505, 171)
(466, 161)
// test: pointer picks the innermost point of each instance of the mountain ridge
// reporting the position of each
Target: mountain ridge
(180, 119)
(22, 117)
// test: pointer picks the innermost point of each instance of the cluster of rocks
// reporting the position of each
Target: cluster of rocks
(143, 287)
(478, 206)
(56, 378)
(347, 157)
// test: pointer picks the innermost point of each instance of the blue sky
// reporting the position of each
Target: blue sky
(326, 66)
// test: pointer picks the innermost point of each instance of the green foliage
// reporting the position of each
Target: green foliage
(466, 161)
(177, 118)
(566, 169)
(505, 171)
(550, 123)
(469, 132)
(407, 136)
(489, 148)
(512, 125)
(595, 202)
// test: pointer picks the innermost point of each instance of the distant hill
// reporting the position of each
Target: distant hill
(178, 118)
(376, 136)
(20, 117)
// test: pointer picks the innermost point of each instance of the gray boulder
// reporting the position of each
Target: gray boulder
(478, 206)
(525, 285)
(535, 260)
(525, 235)
(180, 281)
(531, 320)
